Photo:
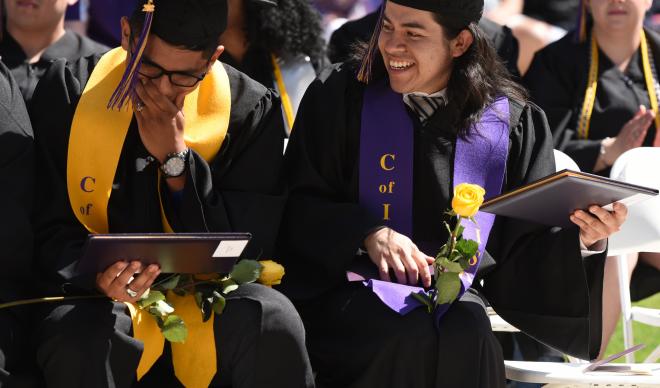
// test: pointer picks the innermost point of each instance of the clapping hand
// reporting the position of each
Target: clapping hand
(631, 135)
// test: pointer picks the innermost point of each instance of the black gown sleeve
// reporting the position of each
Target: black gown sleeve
(557, 85)
(541, 284)
(241, 190)
(59, 237)
(320, 204)
(16, 188)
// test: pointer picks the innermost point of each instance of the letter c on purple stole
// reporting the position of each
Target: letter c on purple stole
(83, 184)
(383, 162)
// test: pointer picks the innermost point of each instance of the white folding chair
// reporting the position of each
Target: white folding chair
(640, 233)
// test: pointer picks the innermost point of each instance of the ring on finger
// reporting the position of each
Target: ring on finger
(131, 293)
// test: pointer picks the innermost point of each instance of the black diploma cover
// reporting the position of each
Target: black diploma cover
(198, 253)
(552, 199)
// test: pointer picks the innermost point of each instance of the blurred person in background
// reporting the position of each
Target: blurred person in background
(597, 90)
(98, 19)
(535, 23)
(277, 43)
(33, 37)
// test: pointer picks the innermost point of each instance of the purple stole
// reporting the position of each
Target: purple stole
(386, 177)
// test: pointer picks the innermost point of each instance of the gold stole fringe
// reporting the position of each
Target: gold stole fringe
(584, 120)
(95, 144)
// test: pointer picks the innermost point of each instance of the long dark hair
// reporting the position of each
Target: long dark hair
(292, 27)
(478, 76)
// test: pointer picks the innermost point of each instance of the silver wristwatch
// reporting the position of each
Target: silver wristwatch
(175, 164)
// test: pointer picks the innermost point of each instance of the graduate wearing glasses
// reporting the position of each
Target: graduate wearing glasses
(158, 136)
(375, 153)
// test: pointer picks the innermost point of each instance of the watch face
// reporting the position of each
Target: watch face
(174, 166)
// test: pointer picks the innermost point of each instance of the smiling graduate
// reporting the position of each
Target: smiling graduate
(377, 148)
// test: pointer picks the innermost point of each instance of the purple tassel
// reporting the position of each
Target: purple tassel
(126, 87)
(581, 27)
(364, 75)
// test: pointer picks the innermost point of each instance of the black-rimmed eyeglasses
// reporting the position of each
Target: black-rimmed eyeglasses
(152, 70)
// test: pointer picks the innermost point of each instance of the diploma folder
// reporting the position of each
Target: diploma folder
(552, 199)
(198, 253)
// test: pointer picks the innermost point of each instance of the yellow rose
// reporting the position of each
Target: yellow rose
(467, 199)
(271, 273)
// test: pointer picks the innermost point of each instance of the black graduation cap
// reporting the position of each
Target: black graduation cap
(456, 13)
(188, 22)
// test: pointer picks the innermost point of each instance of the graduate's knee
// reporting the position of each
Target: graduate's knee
(276, 313)
(466, 319)
(78, 330)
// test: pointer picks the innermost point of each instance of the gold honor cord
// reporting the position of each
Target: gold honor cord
(590, 94)
(650, 81)
(284, 95)
(592, 84)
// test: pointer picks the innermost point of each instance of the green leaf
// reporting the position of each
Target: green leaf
(229, 286)
(246, 271)
(179, 292)
(207, 308)
(453, 267)
(443, 252)
(162, 308)
(423, 298)
(468, 248)
(153, 297)
(460, 231)
(464, 262)
(174, 329)
(455, 256)
(448, 286)
(170, 283)
(219, 303)
(473, 220)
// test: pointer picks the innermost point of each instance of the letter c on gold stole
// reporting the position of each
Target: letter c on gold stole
(383, 162)
(83, 184)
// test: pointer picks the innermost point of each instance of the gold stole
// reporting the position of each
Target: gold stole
(95, 144)
(584, 121)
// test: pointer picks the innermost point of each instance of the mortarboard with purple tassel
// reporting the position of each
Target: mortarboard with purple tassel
(126, 87)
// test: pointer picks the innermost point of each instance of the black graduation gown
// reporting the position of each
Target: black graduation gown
(537, 279)
(17, 186)
(562, 13)
(557, 80)
(240, 190)
(345, 37)
(234, 192)
(70, 46)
